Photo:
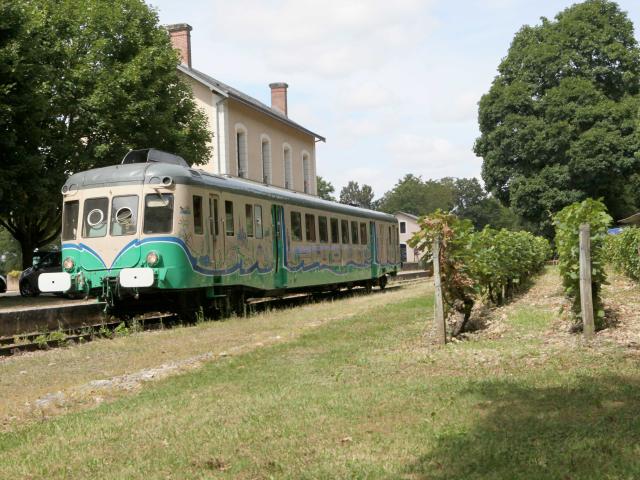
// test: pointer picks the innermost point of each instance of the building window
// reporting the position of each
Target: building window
(296, 227)
(403, 227)
(242, 156)
(403, 253)
(288, 168)
(228, 211)
(266, 160)
(306, 171)
(310, 224)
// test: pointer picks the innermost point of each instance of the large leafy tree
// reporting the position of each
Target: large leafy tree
(325, 188)
(82, 82)
(354, 194)
(559, 122)
(413, 195)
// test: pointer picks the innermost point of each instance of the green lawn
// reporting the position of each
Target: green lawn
(363, 397)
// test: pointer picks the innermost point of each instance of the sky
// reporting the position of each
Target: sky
(392, 85)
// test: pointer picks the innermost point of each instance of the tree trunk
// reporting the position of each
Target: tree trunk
(27, 247)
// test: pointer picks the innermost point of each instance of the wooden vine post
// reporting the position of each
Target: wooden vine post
(440, 328)
(586, 300)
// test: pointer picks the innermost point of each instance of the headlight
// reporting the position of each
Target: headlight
(152, 259)
(68, 264)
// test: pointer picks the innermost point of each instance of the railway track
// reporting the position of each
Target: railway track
(112, 327)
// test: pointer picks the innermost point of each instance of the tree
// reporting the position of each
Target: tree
(325, 189)
(82, 82)
(413, 195)
(353, 194)
(473, 203)
(9, 253)
(559, 122)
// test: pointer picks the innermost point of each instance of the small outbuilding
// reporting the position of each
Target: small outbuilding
(407, 226)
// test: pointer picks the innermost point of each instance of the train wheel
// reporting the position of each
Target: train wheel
(368, 287)
(190, 309)
(239, 304)
(382, 282)
(28, 290)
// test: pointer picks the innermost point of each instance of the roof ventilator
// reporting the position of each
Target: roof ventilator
(148, 155)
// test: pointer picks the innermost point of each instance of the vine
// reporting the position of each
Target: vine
(567, 223)
(623, 252)
(492, 264)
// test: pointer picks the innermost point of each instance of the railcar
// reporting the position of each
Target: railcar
(152, 232)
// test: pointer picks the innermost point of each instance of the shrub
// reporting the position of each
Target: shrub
(455, 257)
(567, 223)
(623, 252)
(493, 263)
(504, 259)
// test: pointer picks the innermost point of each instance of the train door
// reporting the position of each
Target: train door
(217, 240)
(279, 246)
(373, 246)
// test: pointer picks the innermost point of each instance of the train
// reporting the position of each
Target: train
(152, 232)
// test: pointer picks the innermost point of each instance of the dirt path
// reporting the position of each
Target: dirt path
(622, 301)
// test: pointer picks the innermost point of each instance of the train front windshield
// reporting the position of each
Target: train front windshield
(158, 213)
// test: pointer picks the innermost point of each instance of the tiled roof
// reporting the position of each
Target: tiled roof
(227, 91)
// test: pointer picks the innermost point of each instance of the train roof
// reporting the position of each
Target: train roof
(155, 172)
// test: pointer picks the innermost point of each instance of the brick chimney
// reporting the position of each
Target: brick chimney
(279, 96)
(180, 34)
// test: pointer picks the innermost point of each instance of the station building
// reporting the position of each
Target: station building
(248, 138)
(407, 226)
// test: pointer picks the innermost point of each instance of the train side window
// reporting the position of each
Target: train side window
(310, 224)
(124, 215)
(228, 215)
(70, 212)
(96, 212)
(344, 227)
(296, 227)
(198, 227)
(213, 216)
(323, 230)
(363, 233)
(335, 231)
(257, 213)
(158, 213)
(248, 216)
(390, 238)
(354, 233)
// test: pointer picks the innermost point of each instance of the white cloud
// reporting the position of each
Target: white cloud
(432, 157)
(456, 107)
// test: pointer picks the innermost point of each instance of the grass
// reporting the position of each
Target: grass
(24, 379)
(360, 396)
